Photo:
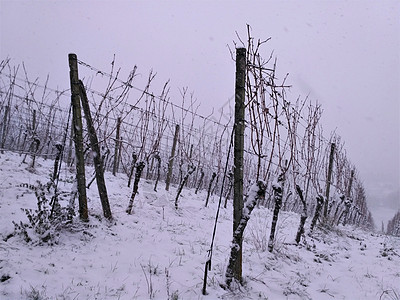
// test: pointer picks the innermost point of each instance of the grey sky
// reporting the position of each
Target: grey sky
(344, 53)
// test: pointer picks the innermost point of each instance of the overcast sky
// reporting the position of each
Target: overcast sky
(345, 54)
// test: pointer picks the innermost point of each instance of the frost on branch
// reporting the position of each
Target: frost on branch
(257, 191)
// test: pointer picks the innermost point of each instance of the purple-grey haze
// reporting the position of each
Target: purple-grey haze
(344, 54)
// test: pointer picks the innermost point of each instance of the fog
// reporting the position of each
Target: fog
(343, 54)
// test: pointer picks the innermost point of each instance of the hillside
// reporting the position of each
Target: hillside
(159, 252)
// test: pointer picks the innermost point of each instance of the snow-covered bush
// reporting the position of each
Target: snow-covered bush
(46, 221)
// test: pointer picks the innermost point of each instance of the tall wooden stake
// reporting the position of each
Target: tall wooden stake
(328, 181)
(34, 122)
(238, 152)
(116, 152)
(69, 156)
(4, 128)
(78, 138)
(98, 161)
(350, 184)
(171, 159)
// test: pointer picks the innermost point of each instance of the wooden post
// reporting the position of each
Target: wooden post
(36, 142)
(238, 152)
(34, 122)
(78, 138)
(119, 152)
(98, 161)
(57, 160)
(171, 159)
(328, 181)
(69, 156)
(350, 184)
(4, 128)
(116, 151)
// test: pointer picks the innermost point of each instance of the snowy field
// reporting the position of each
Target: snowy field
(159, 252)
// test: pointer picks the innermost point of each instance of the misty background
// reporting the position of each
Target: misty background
(343, 54)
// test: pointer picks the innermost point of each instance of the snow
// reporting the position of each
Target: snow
(159, 252)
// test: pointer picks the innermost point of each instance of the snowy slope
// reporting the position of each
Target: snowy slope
(159, 252)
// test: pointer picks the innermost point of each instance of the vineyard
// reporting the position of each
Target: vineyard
(139, 125)
(109, 124)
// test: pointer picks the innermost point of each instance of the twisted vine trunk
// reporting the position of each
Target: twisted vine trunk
(278, 192)
(303, 216)
(139, 170)
(158, 158)
(183, 182)
(257, 191)
(209, 187)
(134, 159)
(200, 181)
(320, 202)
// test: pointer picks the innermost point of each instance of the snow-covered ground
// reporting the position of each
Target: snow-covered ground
(159, 252)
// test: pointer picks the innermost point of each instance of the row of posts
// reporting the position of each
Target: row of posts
(78, 97)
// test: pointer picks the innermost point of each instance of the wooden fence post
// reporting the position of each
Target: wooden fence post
(98, 161)
(171, 159)
(69, 156)
(238, 152)
(119, 151)
(34, 122)
(116, 151)
(350, 184)
(328, 181)
(60, 149)
(5, 127)
(78, 138)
